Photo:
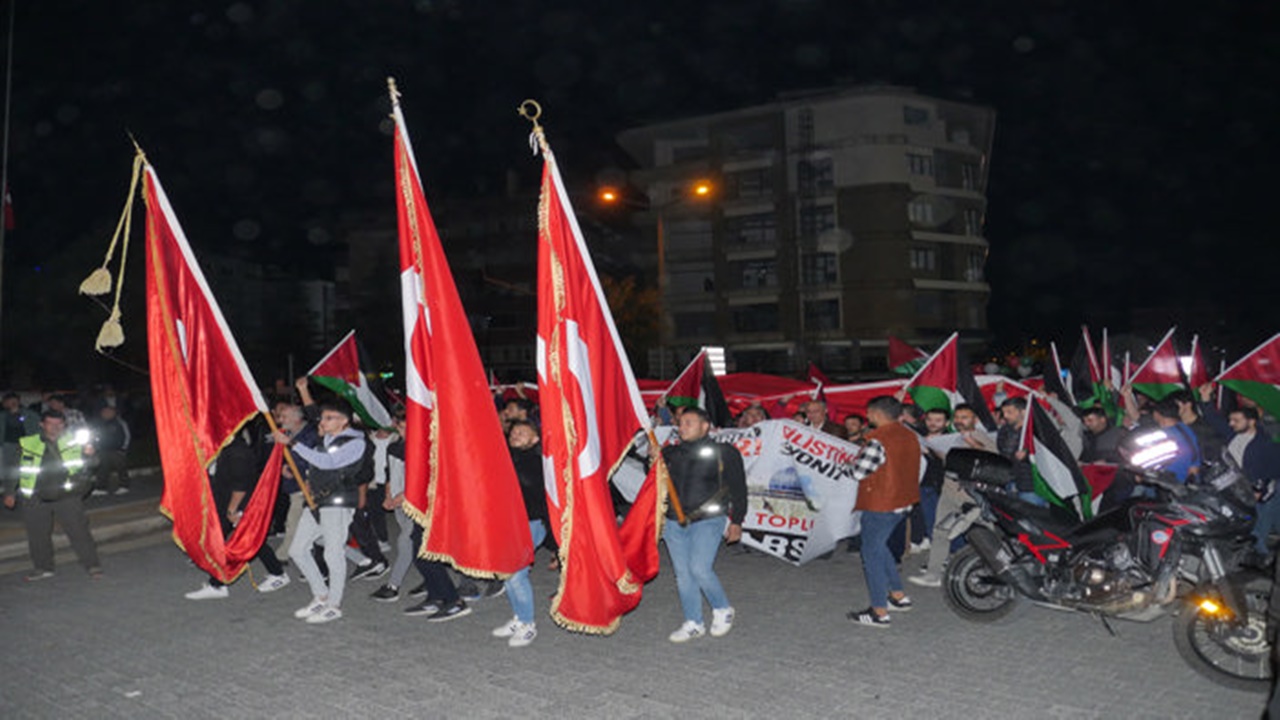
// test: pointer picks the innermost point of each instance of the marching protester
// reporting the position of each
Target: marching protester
(293, 423)
(234, 477)
(815, 413)
(526, 455)
(855, 428)
(1257, 457)
(111, 440)
(333, 477)
(52, 464)
(709, 479)
(1009, 443)
(1102, 439)
(394, 503)
(888, 475)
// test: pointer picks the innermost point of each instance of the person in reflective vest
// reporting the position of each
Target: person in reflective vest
(51, 465)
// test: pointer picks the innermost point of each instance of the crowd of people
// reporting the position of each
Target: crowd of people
(54, 457)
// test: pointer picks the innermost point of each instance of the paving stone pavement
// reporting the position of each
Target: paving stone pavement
(130, 646)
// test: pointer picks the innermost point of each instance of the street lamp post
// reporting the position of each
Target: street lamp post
(699, 190)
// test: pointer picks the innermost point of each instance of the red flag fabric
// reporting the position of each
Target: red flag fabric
(641, 528)
(591, 411)
(904, 355)
(202, 392)
(1198, 375)
(815, 375)
(1160, 375)
(1257, 376)
(460, 484)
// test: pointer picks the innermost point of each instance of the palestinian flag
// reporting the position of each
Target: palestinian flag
(1257, 376)
(1198, 373)
(905, 359)
(1099, 392)
(697, 387)
(1058, 478)
(343, 372)
(1055, 378)
(945, 381)
(1160, 376)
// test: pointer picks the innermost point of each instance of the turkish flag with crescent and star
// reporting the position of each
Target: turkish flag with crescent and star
(460, 483)
(203, 394)
(591, 411)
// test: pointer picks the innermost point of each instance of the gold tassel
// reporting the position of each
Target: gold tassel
(98, 282)
(112, 333)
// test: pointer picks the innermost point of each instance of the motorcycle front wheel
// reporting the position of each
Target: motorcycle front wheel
(1236, 657)
(972, 589)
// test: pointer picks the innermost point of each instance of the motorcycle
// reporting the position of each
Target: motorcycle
(1178, 553)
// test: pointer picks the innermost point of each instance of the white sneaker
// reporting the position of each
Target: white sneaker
(122, 491)
(688, 631)
(208, 592)
(524, 634)
(326, 614)
(273, 583)
(507, 629)
(314, 607)
(920, 547)
(98, 492)
(721, 621)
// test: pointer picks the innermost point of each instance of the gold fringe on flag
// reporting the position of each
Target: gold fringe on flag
(99, 281)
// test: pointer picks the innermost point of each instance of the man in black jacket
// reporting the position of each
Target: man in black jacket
(111, 438)
(711, 484)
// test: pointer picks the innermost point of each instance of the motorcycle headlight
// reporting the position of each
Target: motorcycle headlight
(1149, 449)
(81, 437)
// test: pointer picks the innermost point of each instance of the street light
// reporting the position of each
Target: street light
(700, 190)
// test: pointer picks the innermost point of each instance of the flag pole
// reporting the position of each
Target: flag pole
(672, 497)
(293, 466)
(4, 161)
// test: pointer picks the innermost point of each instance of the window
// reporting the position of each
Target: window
(928, 307)
(919, 164)
(695, 324)
(960, 136)
(820, 269)
(685, 282)
(972, 222)
(915, 115)
(968, 176)
(761, 229)
(755, 318)
(816, 219)
(920, 211)
(815, 176)
(759, 273)
(924, 259)
(973, 265)
(822, 315)
(750, 184)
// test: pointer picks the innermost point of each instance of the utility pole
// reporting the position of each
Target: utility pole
(4, 170)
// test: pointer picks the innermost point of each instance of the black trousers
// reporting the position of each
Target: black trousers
(435, 574)
(266, 554)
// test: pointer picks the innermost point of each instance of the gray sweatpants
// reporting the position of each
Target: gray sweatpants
(332, 527)
(38, 516)
(405, 551)
(950, 499)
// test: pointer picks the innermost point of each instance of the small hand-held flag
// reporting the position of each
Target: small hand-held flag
(345, 371)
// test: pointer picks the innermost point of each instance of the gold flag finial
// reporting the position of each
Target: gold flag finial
(530, 110)
(395, 92)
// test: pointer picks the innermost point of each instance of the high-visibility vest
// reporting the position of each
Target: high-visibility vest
(33, 447)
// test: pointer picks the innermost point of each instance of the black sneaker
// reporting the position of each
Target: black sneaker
(426, 607)
(470, 591)
(901, 604)
(494, 588)
(386, 593)
(454, 610)
(419, 592)
(369, 570)
(869, 618)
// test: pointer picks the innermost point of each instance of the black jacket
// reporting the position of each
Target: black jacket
(528, 464)
(699, 469)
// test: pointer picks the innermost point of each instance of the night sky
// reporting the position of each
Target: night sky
(1130, 166)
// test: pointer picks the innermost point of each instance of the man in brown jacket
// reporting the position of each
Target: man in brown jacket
(888, 471)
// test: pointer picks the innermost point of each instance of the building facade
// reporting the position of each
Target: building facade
(838, 218)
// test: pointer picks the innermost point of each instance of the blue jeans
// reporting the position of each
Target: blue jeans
(929, 508)
(693, 551)
(1266, 517)
(878, 565)
(519, 589)
(1029, 497)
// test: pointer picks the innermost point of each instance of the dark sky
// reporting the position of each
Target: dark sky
(1130, 167)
